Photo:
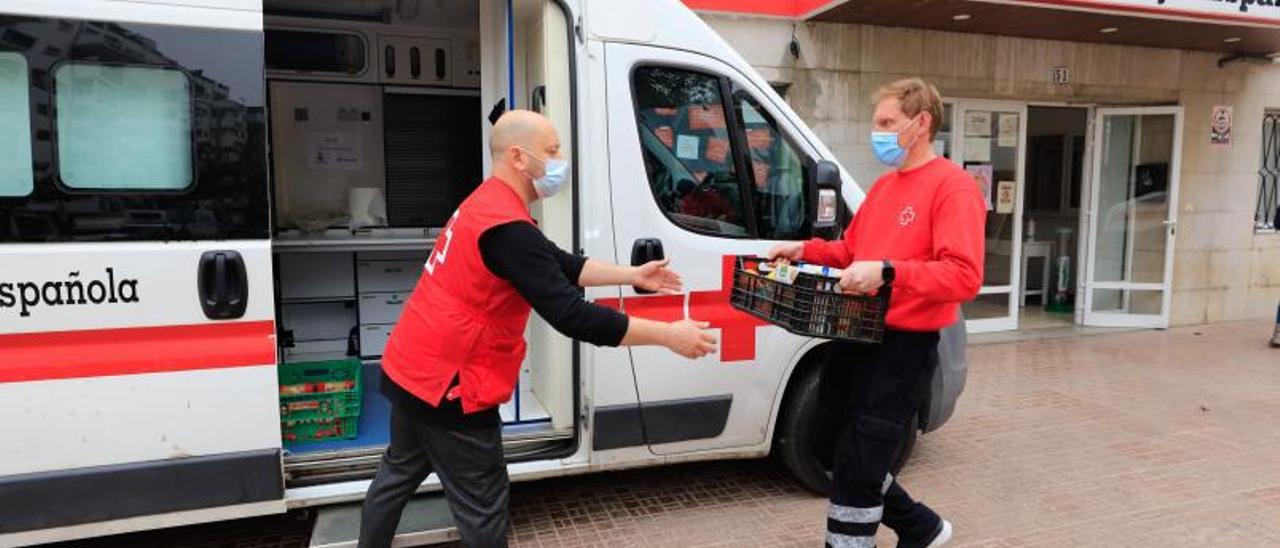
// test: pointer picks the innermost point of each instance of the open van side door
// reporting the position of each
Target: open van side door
(137, 336)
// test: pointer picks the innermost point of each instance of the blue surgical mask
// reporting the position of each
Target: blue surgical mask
(554, 179)
(886, 148)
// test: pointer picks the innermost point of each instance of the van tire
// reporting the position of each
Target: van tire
(797, 427)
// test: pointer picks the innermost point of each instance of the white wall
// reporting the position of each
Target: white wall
(1223, 270)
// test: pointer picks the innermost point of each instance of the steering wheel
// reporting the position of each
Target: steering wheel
(684, 186)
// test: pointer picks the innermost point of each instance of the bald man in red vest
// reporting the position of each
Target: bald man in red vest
(455, 354)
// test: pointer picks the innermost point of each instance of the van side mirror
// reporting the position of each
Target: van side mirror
(826, 181)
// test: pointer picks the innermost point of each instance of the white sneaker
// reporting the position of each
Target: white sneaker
(944, 536)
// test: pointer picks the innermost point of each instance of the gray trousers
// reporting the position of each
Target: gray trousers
(472, 471)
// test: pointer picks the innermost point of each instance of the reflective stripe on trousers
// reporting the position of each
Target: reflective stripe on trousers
(853, 527)
(849, 541)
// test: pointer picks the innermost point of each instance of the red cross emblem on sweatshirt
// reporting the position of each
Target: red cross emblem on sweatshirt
(737, 329)
(907, 216)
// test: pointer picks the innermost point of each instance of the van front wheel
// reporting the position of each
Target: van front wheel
(798, 428)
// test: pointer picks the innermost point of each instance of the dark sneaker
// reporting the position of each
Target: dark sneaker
(944, 536)
(941, 535)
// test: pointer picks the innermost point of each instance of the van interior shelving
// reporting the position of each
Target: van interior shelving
(377, 125)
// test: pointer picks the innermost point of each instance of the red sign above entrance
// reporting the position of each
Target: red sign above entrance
(794, 9)
(1253, 12)
(1250, 12)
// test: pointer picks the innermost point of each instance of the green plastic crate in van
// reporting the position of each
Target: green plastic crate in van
(311, 391)
(337, 428)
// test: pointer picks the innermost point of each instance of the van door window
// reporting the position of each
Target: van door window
(777, 174)
(687, 150)
(15, 148)
(123, 127)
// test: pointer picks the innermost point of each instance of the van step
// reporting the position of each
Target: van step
(426, 520)
(520, 442)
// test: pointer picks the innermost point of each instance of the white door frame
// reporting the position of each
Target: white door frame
(1009, 322)
(1088, 285)
(1085, 230)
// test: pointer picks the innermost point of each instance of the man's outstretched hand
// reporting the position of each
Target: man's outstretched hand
(655, 276)
(690, 339)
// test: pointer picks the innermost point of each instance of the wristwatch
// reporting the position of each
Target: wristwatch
(888, 273)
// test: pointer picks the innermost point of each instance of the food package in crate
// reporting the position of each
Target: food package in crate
(768, 289)
(786, 272)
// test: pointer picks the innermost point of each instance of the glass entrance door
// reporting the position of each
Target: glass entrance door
(988, 140)
(1132, 218)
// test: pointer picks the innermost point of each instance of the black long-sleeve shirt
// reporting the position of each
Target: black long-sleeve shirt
(546, 276)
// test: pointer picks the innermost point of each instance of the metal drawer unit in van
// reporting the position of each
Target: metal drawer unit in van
(317, 315)
(387, 276)
(381, 308)
(384, 281)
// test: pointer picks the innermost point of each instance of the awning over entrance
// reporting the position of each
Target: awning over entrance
(1250, 27)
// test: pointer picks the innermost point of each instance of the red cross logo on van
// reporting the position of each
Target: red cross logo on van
(738, 329)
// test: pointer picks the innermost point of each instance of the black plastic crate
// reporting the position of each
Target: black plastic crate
(812, 305)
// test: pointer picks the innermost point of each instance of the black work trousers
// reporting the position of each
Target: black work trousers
(471, 468)
(867, 395)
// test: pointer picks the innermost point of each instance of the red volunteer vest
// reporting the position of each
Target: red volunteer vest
(462, 319)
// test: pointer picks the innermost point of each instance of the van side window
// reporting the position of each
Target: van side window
(136, 132)
(17, 178)
(777, 174)
(687, 150)
(121, 127)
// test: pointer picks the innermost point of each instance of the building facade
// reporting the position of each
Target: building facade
(1129, 155)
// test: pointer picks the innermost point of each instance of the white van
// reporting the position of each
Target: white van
(199, 198)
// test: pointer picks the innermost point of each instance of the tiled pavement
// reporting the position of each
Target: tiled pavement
(1138, 439)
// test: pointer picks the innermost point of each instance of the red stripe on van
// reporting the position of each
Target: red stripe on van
(737, 328)
(134, 350)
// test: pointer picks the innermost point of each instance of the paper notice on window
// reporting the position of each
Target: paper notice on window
(982, 176)
(1006, 194)
(977, 149)
(1220, 131)
(687, 147)
(977, 124)
(334, 151)
(1009, 129)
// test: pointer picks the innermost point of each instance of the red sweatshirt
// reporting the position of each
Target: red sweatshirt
(931, 223)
